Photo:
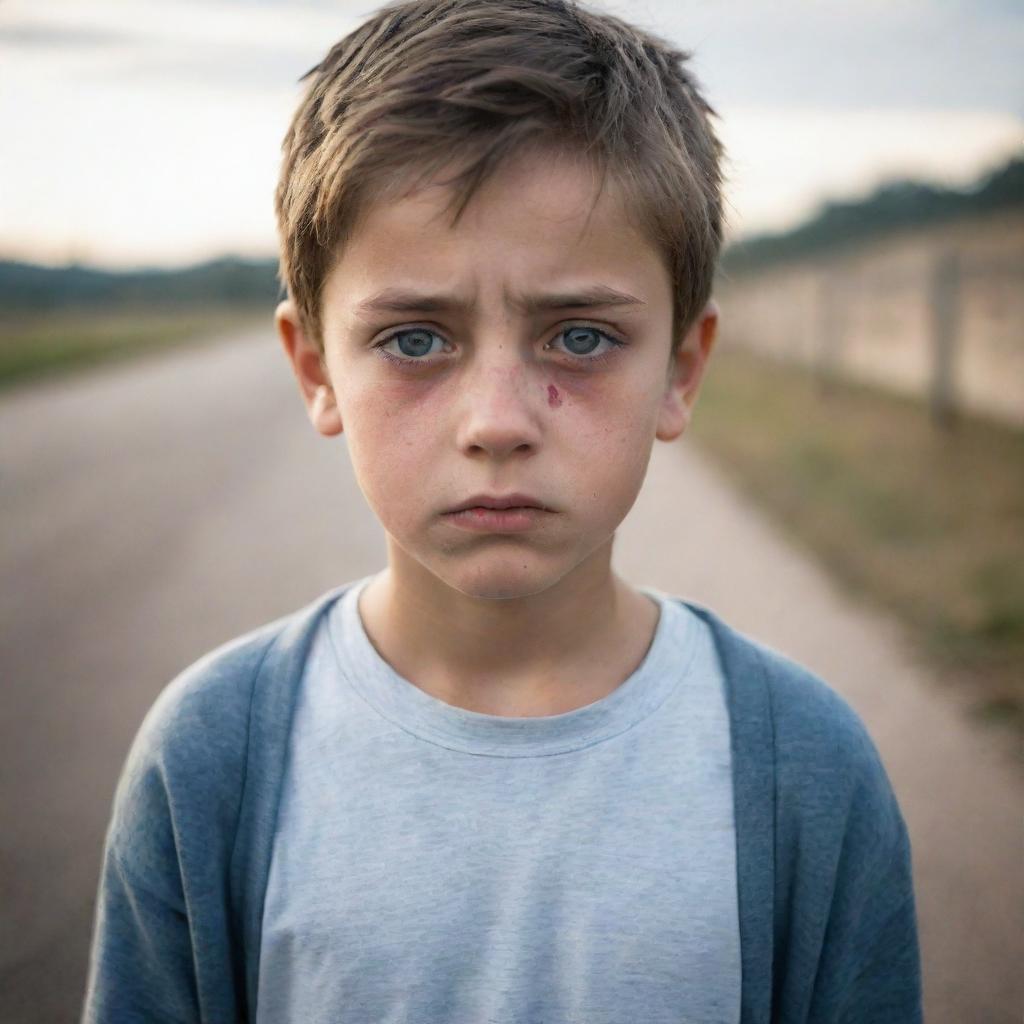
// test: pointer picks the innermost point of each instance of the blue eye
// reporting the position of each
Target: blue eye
(413, 342)
(416, 343)
(583, 341)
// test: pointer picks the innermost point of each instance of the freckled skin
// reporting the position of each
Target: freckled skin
(554, 400)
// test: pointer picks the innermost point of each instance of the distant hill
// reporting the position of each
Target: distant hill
(894, 207)
(229, 281)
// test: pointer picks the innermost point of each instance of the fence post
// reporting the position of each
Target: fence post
(830, 331)
(944, 307)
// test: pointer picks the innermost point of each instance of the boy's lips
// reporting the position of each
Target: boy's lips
(501, 502)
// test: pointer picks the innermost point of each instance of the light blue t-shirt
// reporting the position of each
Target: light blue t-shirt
(433, 864)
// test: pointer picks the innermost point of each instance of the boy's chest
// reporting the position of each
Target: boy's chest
(546, 890)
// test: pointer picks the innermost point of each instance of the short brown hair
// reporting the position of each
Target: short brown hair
(424, 82)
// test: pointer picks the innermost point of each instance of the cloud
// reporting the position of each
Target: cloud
(783, 162)
(43, 35)
(211, 46)
(213, 68)
(920, 53)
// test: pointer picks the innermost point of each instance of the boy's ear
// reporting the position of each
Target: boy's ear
(686, 371)
(310, 371)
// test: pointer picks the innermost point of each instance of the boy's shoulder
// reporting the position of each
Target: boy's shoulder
(801, 749)
(216, 692)
(213, 696)
(810, 724)
(804, 756)
(193, 747)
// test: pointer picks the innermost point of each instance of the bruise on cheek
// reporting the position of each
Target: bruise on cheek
(554, 399)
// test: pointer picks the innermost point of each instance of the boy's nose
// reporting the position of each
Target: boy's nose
(497, 410)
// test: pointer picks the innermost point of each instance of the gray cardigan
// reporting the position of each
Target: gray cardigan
(827, 919)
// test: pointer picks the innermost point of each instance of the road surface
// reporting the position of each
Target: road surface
(154, 509)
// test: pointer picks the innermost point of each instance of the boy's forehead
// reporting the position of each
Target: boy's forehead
(538, 219)
(559, 189)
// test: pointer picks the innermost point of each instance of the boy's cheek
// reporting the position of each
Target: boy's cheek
(374, 409)
(395, 388)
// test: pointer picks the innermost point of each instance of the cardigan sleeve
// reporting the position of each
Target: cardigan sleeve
(165, 944)
(141, 967)
(873, 929)
(870, 960)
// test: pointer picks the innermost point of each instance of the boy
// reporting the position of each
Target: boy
(495, 782)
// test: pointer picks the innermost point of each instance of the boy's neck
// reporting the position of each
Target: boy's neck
(545, 655)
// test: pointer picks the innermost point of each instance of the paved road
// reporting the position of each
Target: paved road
(153, 510)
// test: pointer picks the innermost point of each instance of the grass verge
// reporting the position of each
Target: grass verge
(43, 344)
(929, 523)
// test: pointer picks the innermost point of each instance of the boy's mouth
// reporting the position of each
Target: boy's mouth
(503, 502)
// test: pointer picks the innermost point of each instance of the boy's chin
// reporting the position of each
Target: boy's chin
(500, 578)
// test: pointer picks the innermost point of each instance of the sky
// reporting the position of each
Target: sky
(148, 132)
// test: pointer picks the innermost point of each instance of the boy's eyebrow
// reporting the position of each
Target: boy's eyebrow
(402, 300)
(586, 298)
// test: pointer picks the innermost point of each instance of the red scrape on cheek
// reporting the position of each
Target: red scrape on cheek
(554, 399)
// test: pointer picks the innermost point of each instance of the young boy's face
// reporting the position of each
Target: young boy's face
(525, 350)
